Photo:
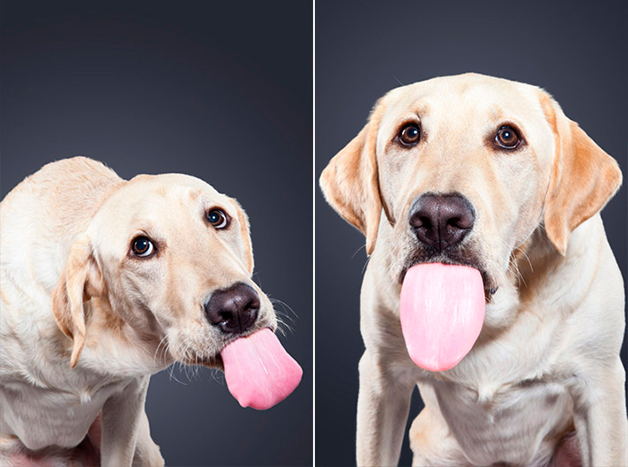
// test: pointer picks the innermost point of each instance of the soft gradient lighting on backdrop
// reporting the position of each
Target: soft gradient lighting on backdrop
(219, 90)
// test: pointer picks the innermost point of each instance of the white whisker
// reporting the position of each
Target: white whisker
(363, 247)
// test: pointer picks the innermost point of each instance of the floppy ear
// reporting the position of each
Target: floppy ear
(350, 182)
(79, 282)
(245, 233)
(584, 178)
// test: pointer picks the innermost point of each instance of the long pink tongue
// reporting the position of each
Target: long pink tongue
(258, 370)
(442, 311)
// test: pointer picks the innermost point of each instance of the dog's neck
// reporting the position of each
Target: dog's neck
(535, 264)
(531, 263)
(539, 278)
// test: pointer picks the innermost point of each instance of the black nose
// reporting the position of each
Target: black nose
(441, 221)
(233, 309)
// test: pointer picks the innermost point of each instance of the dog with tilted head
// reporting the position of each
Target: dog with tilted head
(107, 281)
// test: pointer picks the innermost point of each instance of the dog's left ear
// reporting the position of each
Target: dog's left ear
(583, 179)
(80, 280)
(350, 182)
(245, 233)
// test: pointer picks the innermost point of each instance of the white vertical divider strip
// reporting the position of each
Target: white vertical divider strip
(314, 232)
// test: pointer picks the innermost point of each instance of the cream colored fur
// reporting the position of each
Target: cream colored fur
(547, 361)
(84, 324)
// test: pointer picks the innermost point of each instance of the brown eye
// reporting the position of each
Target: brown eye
(410, 134)
(217, 218)
(142, 247)
(507, 137)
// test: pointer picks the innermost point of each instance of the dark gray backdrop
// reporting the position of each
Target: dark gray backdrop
(577, 51)
(219, 90)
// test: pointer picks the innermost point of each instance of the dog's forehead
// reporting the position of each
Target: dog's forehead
(171, 184)
(165, 190)
(462, 97)
(165, 197)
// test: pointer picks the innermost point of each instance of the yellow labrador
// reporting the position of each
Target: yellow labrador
(104, 282)
(489, 173)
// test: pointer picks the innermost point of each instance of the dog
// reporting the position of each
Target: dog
(105, 282)
(490, 174)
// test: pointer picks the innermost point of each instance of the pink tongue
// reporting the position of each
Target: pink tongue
(442, 311)
(259, 372)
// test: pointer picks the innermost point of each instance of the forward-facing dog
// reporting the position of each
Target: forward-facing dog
(491, 175)
(105, 282)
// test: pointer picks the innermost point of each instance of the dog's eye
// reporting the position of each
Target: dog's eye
(142, 247)
(507, 137)
(410, 134)
(217, 218)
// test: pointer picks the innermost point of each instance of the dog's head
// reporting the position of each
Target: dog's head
(170, 260)
(465, 169)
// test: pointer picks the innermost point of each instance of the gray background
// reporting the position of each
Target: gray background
(577, 51)
(219, 90)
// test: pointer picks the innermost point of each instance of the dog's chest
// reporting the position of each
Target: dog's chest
(516, 424)
(42, 417)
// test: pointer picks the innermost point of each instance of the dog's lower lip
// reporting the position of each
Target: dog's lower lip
(214, 362)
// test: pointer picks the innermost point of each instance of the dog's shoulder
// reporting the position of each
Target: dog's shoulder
(75, 182)
(66, 177)
(41, 217)
(58, 198)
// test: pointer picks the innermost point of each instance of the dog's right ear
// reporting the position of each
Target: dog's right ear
(80, 280)
(350, 182)
(583, 179)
